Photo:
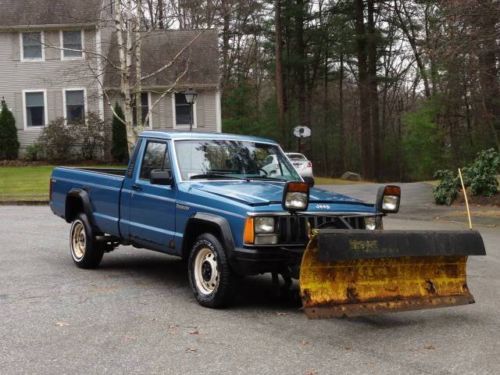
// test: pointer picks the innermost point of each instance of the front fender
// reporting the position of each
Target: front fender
(199, 222)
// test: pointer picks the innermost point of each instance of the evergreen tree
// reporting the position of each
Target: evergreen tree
(9, 145)
(119, 149)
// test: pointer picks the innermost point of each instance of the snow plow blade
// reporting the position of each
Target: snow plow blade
(361, 272)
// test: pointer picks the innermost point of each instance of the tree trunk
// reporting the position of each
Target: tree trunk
(161, 16)
(341, 115)
(138, 66)
(409, 31)
(225, 40)
(364, 90)
(300, 65)
(279, 69)
(488, 71)
(373, 81)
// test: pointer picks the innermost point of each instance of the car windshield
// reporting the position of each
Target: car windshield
(228, 159)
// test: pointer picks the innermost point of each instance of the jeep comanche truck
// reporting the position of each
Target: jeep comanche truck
(210, 199)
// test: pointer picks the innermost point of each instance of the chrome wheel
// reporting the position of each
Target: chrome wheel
(78, 240)
(206, 273)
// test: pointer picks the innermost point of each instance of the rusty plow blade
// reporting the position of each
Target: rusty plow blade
(358, 272)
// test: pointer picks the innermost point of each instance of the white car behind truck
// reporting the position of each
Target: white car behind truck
(301, 164)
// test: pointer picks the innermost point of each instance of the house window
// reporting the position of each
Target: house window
(74, 105)
(32, 46)
(143, 108)
(72, 42)
(35, 108)
(183, 115)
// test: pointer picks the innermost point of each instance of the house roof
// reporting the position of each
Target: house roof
(195, 49)
(36, 13)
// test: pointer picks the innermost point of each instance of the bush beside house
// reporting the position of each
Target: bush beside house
(56, 141)
(76, 142)
(9, 145)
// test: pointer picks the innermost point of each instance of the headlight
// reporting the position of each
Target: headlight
(390, 202)
(371, 223)
(296, 196)
(266, 239)
(260, 230)
(296, 201)
(264, 224)
(388, 198)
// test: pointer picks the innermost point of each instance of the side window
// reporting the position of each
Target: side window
(155, 157)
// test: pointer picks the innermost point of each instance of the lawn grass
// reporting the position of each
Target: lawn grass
(30, 183)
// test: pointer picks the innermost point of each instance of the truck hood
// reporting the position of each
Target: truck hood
(261, 193)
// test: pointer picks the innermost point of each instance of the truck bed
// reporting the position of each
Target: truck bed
(103, 185)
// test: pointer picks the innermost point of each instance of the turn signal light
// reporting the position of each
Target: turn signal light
(248, 233)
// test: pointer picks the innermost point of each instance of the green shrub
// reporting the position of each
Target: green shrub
(422, 142)
(481, 176)
(33, 152)
(119, 147)
(448, 187)
(90, 137)
(9, 145)
(57, 141)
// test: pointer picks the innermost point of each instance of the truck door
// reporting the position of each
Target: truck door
(152, 207)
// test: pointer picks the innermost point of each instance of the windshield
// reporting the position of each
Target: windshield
(233, 160)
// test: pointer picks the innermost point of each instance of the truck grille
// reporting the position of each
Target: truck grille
(293, 229)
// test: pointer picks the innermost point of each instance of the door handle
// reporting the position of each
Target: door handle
(136, 187)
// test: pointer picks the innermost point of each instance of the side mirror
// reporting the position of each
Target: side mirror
(309, 180)
(160, 177)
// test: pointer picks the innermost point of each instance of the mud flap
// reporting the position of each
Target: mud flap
(356, 272)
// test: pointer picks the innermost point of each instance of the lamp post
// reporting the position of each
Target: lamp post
(190, 95)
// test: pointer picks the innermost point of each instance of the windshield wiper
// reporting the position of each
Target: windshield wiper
(266, 178)
(215, 175)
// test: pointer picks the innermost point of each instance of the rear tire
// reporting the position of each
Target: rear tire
(85, 251)
(210, 276)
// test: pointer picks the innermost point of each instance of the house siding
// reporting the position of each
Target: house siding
(163, 117)
(52, 75)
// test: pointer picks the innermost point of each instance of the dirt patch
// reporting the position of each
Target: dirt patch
(478, 200)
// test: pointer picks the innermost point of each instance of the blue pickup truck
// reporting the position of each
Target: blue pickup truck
(229, 205)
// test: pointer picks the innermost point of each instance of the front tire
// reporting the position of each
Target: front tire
(210, 276)
(84, 250)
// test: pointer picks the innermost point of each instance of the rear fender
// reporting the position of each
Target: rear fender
(78, 200)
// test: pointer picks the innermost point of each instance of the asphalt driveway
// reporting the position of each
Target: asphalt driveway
(136, 314)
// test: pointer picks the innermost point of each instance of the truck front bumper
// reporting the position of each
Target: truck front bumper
(255, 260)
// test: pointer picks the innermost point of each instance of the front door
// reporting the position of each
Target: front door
(152, 207)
